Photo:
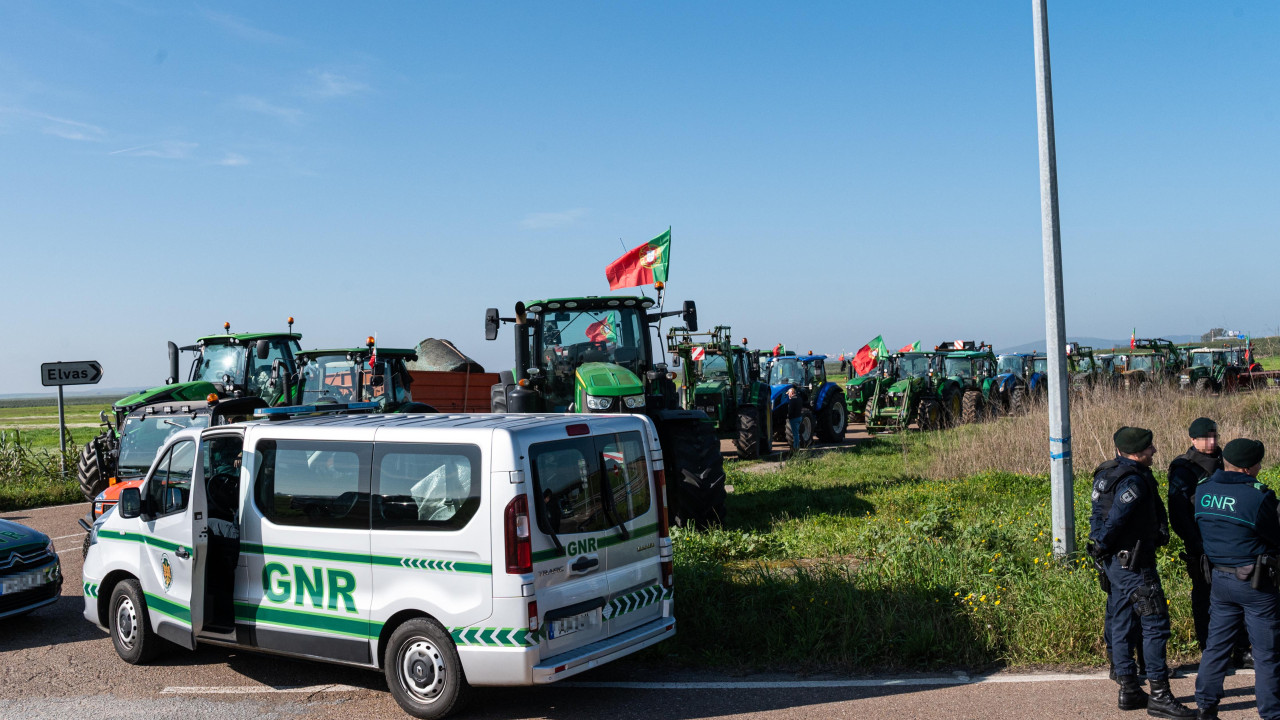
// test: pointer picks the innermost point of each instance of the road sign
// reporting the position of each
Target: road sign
(85, 372)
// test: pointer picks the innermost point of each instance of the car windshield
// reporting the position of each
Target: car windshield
(959, 367)
(786, 371)
(1010, 364)
(145, 434)
(1202, 359)
(914, 366)
(1142, 362)
(221, 359)
(1040, 365)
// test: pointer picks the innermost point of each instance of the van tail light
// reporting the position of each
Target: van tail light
(665, 554)
(533, 616)
(519, 546)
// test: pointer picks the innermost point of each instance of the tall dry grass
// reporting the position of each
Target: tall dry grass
(1021, 444)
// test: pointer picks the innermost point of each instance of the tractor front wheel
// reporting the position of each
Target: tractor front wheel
(971, 407)
(695, 473)
(1203, 386)
(90, 465)
(833, 421)
(929, 414)
(1018, 401)
(747, 441)
(952, 407)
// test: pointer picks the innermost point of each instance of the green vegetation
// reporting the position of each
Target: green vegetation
(32, 478)
(847, 560)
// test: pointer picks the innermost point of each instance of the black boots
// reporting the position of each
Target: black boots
(1163, 704)
(1132, 696)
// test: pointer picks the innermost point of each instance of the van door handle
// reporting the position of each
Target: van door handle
(182, 552)
(584, 564)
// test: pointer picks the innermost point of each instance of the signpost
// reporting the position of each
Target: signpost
(57, 374)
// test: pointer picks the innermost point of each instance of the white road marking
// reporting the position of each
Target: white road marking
(257, 689)
(64, 537)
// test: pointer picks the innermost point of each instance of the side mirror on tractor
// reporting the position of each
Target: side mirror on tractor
(130, 503)
(690, 316)
(173, 364)
(491, 324)
(263, 349)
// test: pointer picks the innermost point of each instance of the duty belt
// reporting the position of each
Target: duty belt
(1244, 572)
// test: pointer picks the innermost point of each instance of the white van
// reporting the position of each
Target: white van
(447, 550)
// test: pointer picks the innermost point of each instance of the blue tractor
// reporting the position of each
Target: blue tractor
(825, 413)
(1020, 378)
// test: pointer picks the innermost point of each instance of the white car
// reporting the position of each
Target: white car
(446, 550)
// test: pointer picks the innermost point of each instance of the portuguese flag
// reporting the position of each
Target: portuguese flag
(602, 330)
(643, 265)
(866, 358)
(913, 347)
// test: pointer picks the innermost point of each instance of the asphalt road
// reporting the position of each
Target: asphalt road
(54, 664)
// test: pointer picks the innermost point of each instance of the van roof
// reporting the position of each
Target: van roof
(472, 421)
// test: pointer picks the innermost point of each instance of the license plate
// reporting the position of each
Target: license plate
(25, 581)
(570, 625)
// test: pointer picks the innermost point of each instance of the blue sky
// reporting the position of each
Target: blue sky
(830, 171)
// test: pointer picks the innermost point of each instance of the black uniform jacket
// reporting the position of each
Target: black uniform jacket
(1238, 520)
(1127, 509)
(1185, 472)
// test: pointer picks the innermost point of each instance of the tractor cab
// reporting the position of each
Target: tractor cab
(358, 375)
(1151, 361)
(1214, 369)
(724, 381)
(968, 385)
(826, 412)
(904, 394)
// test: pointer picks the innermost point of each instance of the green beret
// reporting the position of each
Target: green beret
(1202, 427)
(1243, 453)
(1132, 440)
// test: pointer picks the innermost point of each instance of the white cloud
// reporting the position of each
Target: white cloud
(551, 220)
(233, 160)
(262, 107)
(327, 85)
(61, 127)
(165, 149)
(243, 29)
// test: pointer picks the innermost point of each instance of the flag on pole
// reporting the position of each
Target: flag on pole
(913, 347)
(1133, 339)
(866, 358)
(602, 330)
(778, 349)
(641, 265)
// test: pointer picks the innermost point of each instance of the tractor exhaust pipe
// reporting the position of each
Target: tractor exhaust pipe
(173, 364)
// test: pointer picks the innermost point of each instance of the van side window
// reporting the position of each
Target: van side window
(169, 489)
(425, 487)
(570, 477)
(314, 483)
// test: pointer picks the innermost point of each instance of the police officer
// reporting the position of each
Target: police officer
(1127, 525)
(1240, 530)
(1185, 472)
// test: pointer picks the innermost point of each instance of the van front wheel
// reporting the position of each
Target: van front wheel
(423, 670)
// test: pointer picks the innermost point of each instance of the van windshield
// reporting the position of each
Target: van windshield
(144, 435)
(580, 482)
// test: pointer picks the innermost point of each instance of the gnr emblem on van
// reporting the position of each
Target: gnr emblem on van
(582, 547)
(166, 571)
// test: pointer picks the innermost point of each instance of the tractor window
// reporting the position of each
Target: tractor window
(740, 367)
(1084, 364)
(1142, 362)
(959, 367)
(714, 366)
(260, 370)
(221, 359)
(786, 371)
(569, 339)
(1010, 364)
(1040, 365)
(330, 378)
(1202, 360)
(914, 366)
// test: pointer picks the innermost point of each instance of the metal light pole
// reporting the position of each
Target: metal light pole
(1062, 481)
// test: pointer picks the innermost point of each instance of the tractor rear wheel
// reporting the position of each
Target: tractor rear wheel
(951, 409)
(971, 407)
(695, 473)
(807, 424)
(747, 441)
(833, 421)
(90, 466)
(929, 414)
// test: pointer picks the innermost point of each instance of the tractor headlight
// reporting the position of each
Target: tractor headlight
(599, 403)
(634, 401)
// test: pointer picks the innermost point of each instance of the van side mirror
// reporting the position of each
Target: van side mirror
(264, 349)
(130, 505)
(491, 324)
(690, 316)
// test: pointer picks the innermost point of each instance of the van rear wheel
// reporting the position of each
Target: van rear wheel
(423, 670)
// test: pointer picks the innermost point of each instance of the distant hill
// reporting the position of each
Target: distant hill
(1039, 345)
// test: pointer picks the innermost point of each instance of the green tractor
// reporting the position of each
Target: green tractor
(1214, 370)
(1151, 362)
(723, 380)
(359, 374)
(905, 393)
(597, 355)
(242, 365)
(967, 385)
(860, 389)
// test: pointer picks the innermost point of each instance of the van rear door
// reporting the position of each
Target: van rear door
(632, 557)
